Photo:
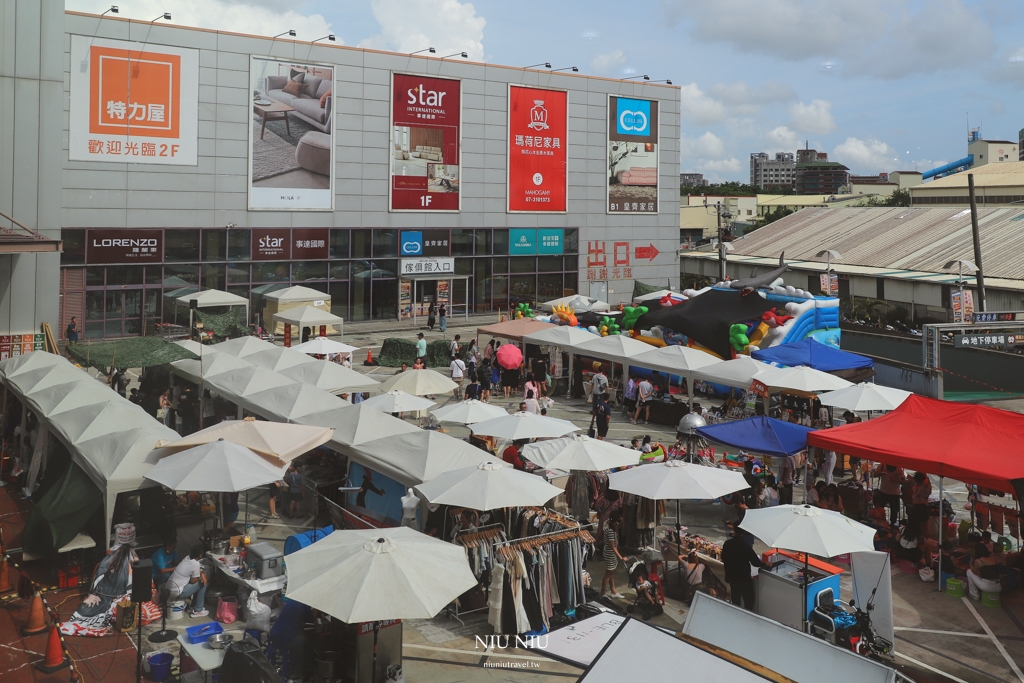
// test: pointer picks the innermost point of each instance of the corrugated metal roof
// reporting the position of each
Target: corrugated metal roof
(1007, 173)
(908, 239)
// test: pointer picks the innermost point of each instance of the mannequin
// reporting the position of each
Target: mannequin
(410, 504)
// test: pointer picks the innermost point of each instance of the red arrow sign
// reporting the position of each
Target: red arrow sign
(648, 252)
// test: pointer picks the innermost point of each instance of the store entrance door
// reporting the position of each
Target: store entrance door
(123, 313)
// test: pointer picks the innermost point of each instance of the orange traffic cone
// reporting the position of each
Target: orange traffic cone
(55, 657)
(5, 576)
(36, 617)
(369, 357)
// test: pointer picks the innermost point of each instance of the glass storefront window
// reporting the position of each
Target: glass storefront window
(238, 245)
(152, 309)
(572, 241)
(238, 272)
(360, 286)
(74, 247)
(482, 286)
(462, 242)
(339, 243)
(94, 330)
(499, 291)
(309, 270)
(384, 269)
(113, 308)
(385, 243)
(500, 242)
(463, 266)
(214, 245)
(213, 275)
(94, 276)
(181, 245)
(339, 299)
(361, 244)
(549, 286)
(523, 288)
(94, 305)
(339, 270)
(549, 264)
(176, 275)
(483, 242)
(124, 275)
(132, 303)
(572, 263)
(270, 271)
(385, 299)
(500, 265)
(112, 328)
(522, 264)
(154, 275)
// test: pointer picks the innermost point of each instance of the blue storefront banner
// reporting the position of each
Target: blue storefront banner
(412, 243)
(522, 241)
(550, 240)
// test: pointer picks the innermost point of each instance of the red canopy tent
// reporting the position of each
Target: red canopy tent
(968, 443)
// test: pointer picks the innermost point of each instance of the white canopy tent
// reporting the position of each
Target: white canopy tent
(618, 348)
(298, 366)
(357, 424)
(800, 378)
(214, 298)
(676, 360)
(732, 373)
(418, 456)
(293, 297)
(308, 316)
(562, 335)
(110, 438)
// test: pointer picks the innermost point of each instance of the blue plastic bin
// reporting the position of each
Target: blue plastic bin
(203, 632)
(160, 666)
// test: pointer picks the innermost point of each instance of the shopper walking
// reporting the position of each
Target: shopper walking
(644, 394)
(421, 346)
(442, 313)
(738, 557)
(431, 316)
(611, 553)
(458, 369)
(786, 476)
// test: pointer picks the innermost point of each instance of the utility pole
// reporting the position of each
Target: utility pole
(722, 250)
(978, 278)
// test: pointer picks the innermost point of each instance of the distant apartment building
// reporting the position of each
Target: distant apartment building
(810, 156)
(768, 172)
(692, 180)
(821, 177)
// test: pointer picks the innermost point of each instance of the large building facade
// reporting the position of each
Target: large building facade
(267, 163)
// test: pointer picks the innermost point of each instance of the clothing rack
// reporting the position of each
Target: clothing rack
(526, 543)
(469, 538)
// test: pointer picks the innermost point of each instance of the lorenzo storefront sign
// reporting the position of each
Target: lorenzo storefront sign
(537, 178)
(124, 246)
(425, 144)
(632, 155)
(283, 244)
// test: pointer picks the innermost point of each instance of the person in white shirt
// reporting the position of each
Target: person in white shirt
(599, 383)
(644, 395)
(187, 580)
(532, 406)
(829, 466)
(458, 369)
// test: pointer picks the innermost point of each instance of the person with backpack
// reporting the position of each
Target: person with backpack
(71, 333)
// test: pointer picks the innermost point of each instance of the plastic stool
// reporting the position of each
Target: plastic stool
(989, 599)
(656, 580)
(272, 653)
(954, 587)
(257, 635)
(656, 565)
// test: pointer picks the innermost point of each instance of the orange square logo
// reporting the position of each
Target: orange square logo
(132, 92)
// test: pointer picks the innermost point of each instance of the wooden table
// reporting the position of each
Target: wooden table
(275, 111)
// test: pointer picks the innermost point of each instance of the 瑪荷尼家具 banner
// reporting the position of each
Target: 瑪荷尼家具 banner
(291, 135)
(426, 130)
(133, 102)
(537, 157)
(632, 155)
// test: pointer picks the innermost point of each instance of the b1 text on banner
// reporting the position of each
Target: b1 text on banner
(632, 155)
(537, 124)
(133, 103)
(426, 139)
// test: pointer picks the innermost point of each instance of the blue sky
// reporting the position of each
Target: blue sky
(881, 85)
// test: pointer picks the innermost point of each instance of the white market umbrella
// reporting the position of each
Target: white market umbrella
(865, 396)
(675, 480)
(468, 412)
(419, 383)
(368, 575)
(523, 425)
(276, 439)
(218, 467)
(580, 452)
(322, 346)
(397, 401)
(800, 378)
(809, 530)
(488, 486)
(358, 424)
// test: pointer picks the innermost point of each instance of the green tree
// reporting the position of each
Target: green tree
(770, 217)
(733, 189)
(897, 198)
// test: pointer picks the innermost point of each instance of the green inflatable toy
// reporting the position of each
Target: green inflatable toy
(630, 315)
(738, 337)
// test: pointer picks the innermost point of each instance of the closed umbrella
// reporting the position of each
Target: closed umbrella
(865, 396)
(809, 530)
(419, 383)
(276, 439)
(322, 346)
(468, 412)
(580, 452)
(523, 425)
(487, 486)
(397, 401)
(375, 574)
(509, 357)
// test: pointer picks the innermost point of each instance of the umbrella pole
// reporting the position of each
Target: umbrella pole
(942, 535)
(803, 614)
(376, 630)
(679, 542)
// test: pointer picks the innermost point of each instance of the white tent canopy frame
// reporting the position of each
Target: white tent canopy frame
(110, 438)
(676, 360)
(212, 298)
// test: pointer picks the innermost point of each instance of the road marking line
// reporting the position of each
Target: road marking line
(942, 633)
(995, 641)
(476, 653)
(930, 668)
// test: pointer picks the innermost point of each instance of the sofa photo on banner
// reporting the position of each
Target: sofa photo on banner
(309, 95)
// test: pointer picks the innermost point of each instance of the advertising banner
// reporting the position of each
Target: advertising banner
(550, 240)
(425, 243)
(632, 155)
(537, 158)
(310, 244)
(271, 244)
(124, 246)
(522, 241)
(426, 115)
(291, 135)
(134, 103)
(427, 266)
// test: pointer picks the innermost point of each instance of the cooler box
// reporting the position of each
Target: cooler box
(267, 560)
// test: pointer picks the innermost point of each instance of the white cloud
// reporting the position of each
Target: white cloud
(815, 117)
(410, 25)
(739, 94)
(261, 17)
(707, 146)
(866, 156)
(732, 165)
(608, 62)
(698, 108)
(883, 38)
(782, 139)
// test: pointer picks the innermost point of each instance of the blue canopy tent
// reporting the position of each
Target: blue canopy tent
(813, 354)
(759, 434)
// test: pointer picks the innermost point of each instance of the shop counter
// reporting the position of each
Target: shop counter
(780, 588)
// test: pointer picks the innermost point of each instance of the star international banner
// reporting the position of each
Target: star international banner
(133, 102)
(537, 157)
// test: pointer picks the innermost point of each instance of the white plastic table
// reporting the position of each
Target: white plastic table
(205, 657)
(261, 586)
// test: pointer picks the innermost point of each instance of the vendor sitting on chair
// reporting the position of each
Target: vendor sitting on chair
(288, 635)
(165, 560)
